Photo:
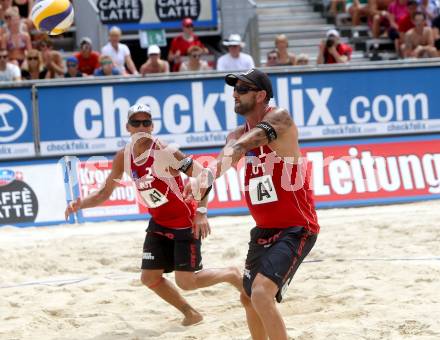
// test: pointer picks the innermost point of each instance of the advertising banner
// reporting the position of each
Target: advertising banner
(90, 119)
(343, 174)
(16, 123)
(32, 193)
(157, 14)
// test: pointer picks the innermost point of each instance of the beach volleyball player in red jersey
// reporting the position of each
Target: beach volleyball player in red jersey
(173, 238)
(278, 195)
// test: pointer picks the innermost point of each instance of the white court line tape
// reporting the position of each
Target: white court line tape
(116, 276)
(58, 282)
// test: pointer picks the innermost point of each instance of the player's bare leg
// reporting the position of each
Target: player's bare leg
(209, 277)
(154, 280)
(263, 300)
(255, 325)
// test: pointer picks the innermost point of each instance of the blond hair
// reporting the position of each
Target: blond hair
(25, 65)
(280, 38)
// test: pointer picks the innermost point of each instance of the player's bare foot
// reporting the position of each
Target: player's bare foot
(192, 317)
(236, 278)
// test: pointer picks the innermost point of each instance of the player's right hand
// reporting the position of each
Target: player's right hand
(73, 207)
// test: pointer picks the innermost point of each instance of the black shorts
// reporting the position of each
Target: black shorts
(171, 249)
(276, 254)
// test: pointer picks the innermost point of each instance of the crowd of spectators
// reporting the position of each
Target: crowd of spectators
(413, 26)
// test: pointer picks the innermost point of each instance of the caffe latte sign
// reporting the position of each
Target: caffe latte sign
(116, 11)
(172, 10)
(157, 14)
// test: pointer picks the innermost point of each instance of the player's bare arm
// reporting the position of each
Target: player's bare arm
(171, 157)
(104, 192)
(273, 127)
(177, 161)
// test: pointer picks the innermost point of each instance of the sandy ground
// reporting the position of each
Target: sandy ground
(373, 274)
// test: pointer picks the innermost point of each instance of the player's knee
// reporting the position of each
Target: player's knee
(245, 299)
(150, 280)
(260, 296)
(186, 283)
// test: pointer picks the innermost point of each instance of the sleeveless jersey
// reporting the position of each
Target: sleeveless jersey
(277, 192)
(162, 194)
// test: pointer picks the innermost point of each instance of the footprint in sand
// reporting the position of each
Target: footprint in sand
(135, 283)
(230, 253)
(130, 269)
(413, 327)
(57, 312)
(105, 261)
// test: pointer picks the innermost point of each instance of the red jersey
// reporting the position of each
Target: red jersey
(278, 193)
(405, 24)
(179, 43)
(162, 194)
(343, 49)
(88, 65)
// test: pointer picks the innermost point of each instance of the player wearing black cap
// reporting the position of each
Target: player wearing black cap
(277, 193)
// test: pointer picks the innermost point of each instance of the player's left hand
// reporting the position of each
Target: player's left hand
(201, 226)
(196, 188)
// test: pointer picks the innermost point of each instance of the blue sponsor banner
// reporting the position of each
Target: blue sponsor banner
(16, 127)
(89, 119)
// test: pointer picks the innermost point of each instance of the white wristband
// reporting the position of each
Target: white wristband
(202, 210)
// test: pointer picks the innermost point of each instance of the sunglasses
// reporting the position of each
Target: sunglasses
(242, 89)
(71, 65)
(3, 56)
(137, 123)
(32, 58)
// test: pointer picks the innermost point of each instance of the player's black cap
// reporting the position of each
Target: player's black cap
(254, 76)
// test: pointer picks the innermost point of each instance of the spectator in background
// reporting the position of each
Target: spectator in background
(88, 60)
(419, 41)
(404, 25)
(14, 39)
(302, 59)
(72, 68)
(53, 61)
(180, 44)
(336, 6)
(397, 10)
(8, 71)
(430, 8)
(5, 5)
(154, 64)
(194, 62)
(378, 16)
(120, 53)
(271, 58)
(107, 67)
(436, 33)
(24, 7)
(357, 9)
(284, 57)
(332, 51)
(33, 67)
(235, 60)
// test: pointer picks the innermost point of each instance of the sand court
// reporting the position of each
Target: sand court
(373, 274)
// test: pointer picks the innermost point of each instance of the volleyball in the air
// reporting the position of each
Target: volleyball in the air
(52, 16)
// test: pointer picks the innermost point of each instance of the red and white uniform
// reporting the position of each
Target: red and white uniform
(278, 192)
(162, 194)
